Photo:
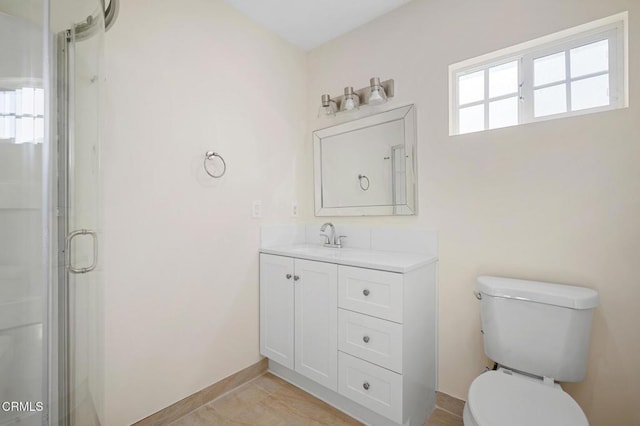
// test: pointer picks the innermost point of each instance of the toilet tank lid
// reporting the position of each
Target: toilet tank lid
(568, 296)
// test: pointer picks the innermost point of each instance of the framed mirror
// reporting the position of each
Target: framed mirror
(367, 167)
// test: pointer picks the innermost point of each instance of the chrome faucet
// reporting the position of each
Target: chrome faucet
(331, 240)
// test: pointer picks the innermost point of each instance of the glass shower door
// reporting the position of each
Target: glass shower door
(80, 201)
(23, 319)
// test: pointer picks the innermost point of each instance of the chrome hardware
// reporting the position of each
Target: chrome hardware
(365, 292)
(296, 278)
(288, 276)
(94, 263)
(477, 294)
(209, 155)
(360, 177)
(332, 233)
(331, 240)
(366, 339)
(366, 385)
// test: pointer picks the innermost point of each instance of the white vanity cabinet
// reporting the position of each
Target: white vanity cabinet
(361, 326)
(298, 321)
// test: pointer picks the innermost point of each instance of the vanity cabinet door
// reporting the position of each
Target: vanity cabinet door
(316, 322)
(277, 308)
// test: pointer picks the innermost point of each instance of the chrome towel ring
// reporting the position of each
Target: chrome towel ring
(360, 178)
(209, 155)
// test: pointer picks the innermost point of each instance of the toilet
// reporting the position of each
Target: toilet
(538, 334)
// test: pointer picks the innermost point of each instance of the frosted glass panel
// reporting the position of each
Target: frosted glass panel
(503, 79)
(549, 69)
(471, 88)
(590, 59)
(471, 119)
(590, 92)
(550, 100)
(503, 113)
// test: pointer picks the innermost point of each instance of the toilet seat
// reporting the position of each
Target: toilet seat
(500, 399)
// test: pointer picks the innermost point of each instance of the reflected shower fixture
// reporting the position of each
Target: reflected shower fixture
(328, 107)
(350, 101)
(375, 94)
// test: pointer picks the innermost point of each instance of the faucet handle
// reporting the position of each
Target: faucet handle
(339, 240)
(326, 238)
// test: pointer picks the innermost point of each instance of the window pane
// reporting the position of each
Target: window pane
(503, 113)
(39, 129)
(24, 130)
(27, 101)
(550, 100)
(10, 102)
(590, 92)
(503, 79)
(590, 59)
(471, 119)
(39, 101)
(549, 69)
(471, 88)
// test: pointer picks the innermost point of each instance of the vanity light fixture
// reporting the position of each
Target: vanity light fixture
(328, 107)
(378, 95)
(351, 100)
(375, 94)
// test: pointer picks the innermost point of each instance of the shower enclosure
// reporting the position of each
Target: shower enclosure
(50, 210)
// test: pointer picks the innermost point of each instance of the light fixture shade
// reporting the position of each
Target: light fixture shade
(378, 95)
(328, 106)
(350, 101)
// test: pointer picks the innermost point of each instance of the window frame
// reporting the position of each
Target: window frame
(613, 28)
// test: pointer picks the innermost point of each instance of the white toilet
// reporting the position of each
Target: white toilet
(538, 333)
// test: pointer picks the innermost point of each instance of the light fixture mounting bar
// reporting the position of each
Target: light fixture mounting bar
(365, 92)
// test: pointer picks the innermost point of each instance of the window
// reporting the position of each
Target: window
(22, 115)
(577, 71)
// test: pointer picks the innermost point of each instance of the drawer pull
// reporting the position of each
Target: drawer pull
(288, 276)
(366, 385)
(365, 292)
(366, 339)
(296, 277)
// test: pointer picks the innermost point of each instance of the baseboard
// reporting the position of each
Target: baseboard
(449, 403)
(204, 396)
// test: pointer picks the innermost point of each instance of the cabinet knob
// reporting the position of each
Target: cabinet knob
(296, 278)
(366, 339)
(288, 276)
(366, 385)
(365, 292)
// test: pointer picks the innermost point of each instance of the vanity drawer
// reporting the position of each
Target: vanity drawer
(376, 388)
(372, 339)
(371, 292)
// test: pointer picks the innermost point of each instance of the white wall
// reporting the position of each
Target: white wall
(556, 200)
(181, 288)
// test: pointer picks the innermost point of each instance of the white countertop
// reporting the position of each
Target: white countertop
(363, 258)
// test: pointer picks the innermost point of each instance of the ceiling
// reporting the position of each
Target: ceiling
(310, 23)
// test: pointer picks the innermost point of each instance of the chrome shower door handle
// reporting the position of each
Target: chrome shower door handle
(94, 263)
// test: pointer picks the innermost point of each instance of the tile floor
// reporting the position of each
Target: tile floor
(269, 400)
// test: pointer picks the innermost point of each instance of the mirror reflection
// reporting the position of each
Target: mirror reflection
(367, 166)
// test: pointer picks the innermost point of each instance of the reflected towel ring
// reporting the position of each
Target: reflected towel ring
(209, 156)
(360, 177)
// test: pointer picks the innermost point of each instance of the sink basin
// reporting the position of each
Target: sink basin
(315, 250)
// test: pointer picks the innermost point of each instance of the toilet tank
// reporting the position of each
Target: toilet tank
(536, 327)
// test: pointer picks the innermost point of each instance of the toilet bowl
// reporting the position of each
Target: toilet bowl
(501, 398)
(538, 333)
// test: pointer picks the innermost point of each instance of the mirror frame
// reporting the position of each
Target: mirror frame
(408, 116)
